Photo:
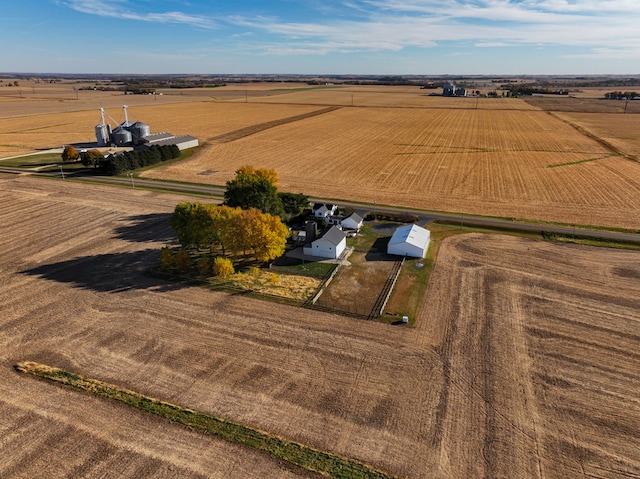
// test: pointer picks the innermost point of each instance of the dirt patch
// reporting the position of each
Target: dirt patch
(356, 286)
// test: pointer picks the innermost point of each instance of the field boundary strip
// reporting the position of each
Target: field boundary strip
(305, 457)
(583, 131)
(252, 130)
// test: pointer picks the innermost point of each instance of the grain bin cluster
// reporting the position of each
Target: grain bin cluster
(137, 135)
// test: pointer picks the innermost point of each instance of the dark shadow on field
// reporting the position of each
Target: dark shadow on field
(144, 228)
(378, 251)
(108, 273)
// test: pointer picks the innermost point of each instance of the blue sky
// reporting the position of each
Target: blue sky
(424, 37)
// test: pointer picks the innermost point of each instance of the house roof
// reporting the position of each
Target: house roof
(172, 140)
(327, 206)
(411, 234)
(333, 235)
(355, 217)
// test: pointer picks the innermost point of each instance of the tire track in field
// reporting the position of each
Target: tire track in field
(253, 129)
(583, 131)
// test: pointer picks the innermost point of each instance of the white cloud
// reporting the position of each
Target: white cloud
(120, 9)
(391, 25)
(608, 54)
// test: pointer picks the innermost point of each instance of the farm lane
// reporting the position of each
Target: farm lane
(425, 217)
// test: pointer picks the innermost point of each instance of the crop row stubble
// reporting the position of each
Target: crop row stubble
(474, 161)
(521, 346)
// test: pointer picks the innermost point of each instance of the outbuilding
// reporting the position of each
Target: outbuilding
(330, 245)
(409, 240)
(353, 222)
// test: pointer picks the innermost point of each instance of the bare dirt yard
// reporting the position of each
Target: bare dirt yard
(358, 284)
(523, 363)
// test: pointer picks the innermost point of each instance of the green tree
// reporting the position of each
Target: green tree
(70, 153)
(92, 158)
(293, 204)
(192, 224)
(254, 189)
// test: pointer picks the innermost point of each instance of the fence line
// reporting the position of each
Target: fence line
(387, 289)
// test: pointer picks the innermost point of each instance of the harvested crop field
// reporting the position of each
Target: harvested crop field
(523, 362)
(205, 120)
(520, 164)
(393, 145)
(378, 96)
(619, 130)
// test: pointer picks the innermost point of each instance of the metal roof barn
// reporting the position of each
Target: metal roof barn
(409, 240)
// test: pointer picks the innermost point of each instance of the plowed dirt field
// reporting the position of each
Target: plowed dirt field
(523, 363)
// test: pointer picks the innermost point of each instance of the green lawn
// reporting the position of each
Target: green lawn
(34, 161)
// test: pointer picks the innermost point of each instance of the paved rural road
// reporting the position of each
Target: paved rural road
(424, 216)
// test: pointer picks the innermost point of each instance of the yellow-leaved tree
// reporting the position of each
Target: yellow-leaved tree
(263, 234)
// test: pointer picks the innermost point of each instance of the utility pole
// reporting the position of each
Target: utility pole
(61, 172)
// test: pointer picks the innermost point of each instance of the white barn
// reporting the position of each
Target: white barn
(330, 245)
(409, 240)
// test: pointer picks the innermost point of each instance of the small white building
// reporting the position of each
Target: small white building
(330, 245)
(353, 222)
(409, 240)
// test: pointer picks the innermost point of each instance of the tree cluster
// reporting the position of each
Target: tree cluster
(132, 160)
(92, 158)
(621, 95)
(254, 188)
(257, 188)
(230, 230)
(530, 89)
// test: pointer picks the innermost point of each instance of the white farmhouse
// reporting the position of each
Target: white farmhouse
(409, 240)
(321, 210)
(330, 245)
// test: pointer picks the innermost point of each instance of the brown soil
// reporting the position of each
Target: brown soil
(357, 286)
(523, 362)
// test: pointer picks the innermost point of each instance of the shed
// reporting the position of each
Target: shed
(330, 245)
(409, 240)
(353, 222)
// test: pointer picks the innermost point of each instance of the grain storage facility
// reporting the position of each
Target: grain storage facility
(137, 134)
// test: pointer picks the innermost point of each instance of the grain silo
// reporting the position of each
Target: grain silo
(138, 131)
(103, 135)
(122, 136)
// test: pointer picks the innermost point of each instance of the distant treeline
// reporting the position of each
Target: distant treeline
(132, 160)
(516, 89)
(621, 95)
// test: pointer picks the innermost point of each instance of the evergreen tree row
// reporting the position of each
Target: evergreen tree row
(132, 160)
